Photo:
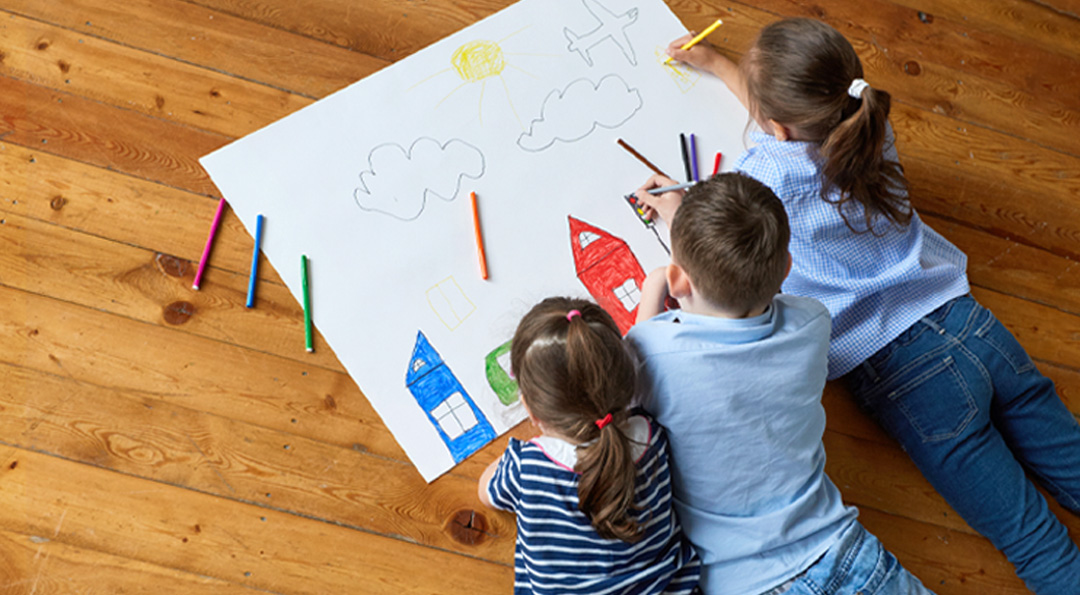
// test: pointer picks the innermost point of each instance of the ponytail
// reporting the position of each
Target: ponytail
(855, 164)
(800, 72)
(578, 378)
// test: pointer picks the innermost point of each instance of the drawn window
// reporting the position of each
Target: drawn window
(417, 364)
(504, 363)
(629, 294)
(454, 415)
(587, 237)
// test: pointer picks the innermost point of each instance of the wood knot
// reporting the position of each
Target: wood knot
(64, 66)
(43, 44)
(171, 265)
(330, 403)
(468, 527)
(912, 67)
(178, 313)
(926, 17)
(57, 203)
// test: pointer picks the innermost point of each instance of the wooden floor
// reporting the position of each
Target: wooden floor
(155, 439)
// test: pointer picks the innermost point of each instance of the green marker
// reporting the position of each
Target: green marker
(307, 304)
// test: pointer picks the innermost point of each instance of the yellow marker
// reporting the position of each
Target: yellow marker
(699, 37)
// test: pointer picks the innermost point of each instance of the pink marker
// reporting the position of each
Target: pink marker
(209, 243)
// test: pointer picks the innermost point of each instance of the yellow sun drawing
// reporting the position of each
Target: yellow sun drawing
(479, 61)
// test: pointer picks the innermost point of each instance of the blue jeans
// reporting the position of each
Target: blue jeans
(962, 397)
(857, 563)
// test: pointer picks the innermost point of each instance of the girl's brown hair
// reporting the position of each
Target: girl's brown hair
(798, 73)
(574, 370)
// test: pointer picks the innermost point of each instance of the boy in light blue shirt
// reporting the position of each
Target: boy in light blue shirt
(736, 375)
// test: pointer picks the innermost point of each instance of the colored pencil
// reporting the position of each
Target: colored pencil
(716, 164)
(209, 243)
(698, 38)
(671, 188)
(685, 157)
(309, 343)
(255, 262)
(693, 157)
(479, 237)
(640, 158)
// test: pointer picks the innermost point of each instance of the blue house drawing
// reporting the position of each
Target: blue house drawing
(458, 420)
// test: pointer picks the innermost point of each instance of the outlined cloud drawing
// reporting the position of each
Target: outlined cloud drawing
(612, 26)
(576, 111)
(398, 180)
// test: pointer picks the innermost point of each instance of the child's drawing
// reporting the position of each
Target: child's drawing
(579, 109)
(399, 180)
(684, 76)
(609, 270)
(612, 26)
(479, 61)
(460, 423)
(497, 369)
(450, 303)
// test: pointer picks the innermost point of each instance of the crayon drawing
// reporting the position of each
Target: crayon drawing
(612, 26)
(459, 422)
(579, 109)
(684, 76)
(497, 370)
(399, 180)
(608, 269)
(372, 182)
(450, 303)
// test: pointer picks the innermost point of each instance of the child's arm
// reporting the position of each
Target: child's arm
(485, 481)
(662, 205)
(653, 293)
(704, 56)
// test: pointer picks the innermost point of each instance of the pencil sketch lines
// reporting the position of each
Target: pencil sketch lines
(398, 181)
(612, 26)
(573, 113)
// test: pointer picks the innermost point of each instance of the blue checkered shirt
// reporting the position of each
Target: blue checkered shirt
(875, 285)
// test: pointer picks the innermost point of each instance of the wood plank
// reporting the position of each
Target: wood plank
(159, 440)
(947, 562)
(45, 120)
(158, 86)
(233, 46)
(137, 283)
(1022, 20)
(86, 198)
(54, 337)
(167, 526)
(1046, 333)
(37, 565)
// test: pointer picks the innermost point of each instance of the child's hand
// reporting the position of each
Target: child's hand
(654, 292)
(702, 56)
(664, 204)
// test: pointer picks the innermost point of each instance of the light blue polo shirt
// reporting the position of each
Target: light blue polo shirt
(741, 399)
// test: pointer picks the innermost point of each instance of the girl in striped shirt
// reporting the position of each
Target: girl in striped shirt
(592, 493)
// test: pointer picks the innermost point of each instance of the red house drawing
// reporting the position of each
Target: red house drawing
(609, 270)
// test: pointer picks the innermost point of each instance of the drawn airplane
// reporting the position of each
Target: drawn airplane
(612, 27)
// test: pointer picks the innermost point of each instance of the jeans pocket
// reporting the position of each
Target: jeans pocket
(997, 337)
(935, 399)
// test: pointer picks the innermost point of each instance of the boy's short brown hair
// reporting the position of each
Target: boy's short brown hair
(730, 235)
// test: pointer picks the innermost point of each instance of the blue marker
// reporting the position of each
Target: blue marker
(255, 262)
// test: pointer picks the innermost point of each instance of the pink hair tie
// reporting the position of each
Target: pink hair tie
(603, 421)
(571, 314)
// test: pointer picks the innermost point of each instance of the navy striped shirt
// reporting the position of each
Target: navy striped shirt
(558, 550)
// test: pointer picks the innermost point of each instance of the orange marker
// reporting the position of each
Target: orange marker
(479, 237)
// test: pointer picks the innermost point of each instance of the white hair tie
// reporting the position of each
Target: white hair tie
(856, 88)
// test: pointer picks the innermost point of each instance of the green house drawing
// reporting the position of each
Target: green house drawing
(497, 366)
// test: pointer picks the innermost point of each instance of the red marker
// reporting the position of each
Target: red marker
(716, 165)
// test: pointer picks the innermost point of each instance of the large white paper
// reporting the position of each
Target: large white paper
(524, 108)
